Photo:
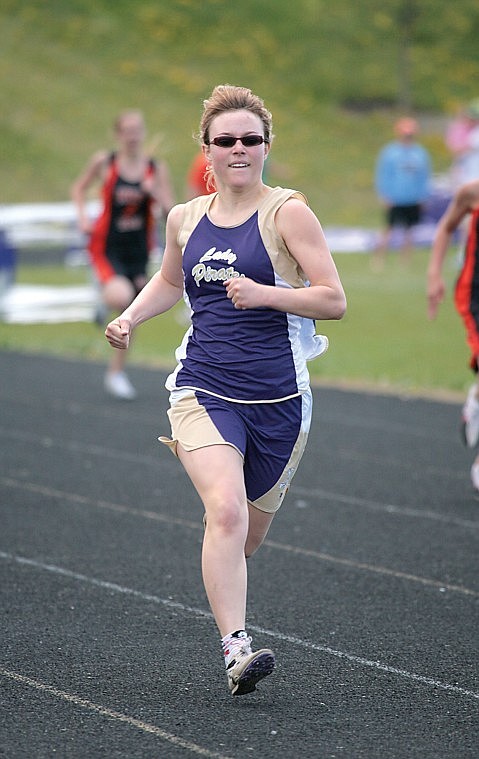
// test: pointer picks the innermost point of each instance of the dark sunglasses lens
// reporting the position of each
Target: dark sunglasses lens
(224, 142)
(250, 140)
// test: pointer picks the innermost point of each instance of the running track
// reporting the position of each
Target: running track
(367, 588)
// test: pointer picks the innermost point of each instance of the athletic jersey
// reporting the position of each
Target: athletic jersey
(256, 355)
(123, 234)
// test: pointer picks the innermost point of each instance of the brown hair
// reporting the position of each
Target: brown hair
(228, 97)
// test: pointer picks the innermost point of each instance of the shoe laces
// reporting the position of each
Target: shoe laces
(237, 648)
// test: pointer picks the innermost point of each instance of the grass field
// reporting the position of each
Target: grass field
(385, 340)
(329, 72)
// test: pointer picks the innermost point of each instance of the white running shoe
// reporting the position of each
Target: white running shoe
(118, 385)
(470, 418)
(475, 476)
(247, 668)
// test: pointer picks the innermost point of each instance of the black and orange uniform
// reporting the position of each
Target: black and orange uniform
(124, 233)
(466, 295)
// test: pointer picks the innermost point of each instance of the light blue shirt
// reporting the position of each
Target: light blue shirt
(403, 173)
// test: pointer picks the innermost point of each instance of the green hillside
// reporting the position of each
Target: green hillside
(334, 75)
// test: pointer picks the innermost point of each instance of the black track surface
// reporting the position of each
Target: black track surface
(367, 588)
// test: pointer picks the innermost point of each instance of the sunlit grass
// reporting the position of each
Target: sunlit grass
(385, 339)
(68, 68)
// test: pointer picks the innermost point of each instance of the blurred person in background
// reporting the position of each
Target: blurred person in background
(402, 180)
(462, 140)
(135, 191)
(199, 178)
(464, 205)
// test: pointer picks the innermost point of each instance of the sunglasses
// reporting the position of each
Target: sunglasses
(227, 141)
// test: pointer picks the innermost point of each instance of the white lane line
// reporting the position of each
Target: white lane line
(150, 598)
(154, 516)
(92, 449)
(85, 501)
(382, 425)
(75, 409)
(388, 508)
(84, 703)
(323, 418)
(442, 586)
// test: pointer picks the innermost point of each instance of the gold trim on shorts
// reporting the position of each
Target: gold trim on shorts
(192, 427)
